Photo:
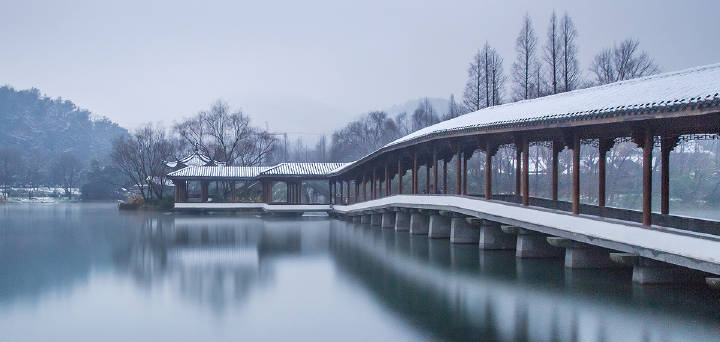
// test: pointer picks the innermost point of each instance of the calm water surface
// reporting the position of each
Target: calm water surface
(85, 272)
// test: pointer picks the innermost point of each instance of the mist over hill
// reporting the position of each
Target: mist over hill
(41, 128)
(439, 105)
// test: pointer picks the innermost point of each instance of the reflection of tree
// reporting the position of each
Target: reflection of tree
(215, 260)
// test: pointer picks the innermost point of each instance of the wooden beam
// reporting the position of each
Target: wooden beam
(576, 175)
(525, 173)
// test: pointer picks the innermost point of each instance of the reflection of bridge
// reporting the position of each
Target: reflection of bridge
(455, 302)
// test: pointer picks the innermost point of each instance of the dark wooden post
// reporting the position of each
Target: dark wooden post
(647, 177)
(518, 151)
(667, 144)
(465, 174)
(445, 163)
(488, 170)
(415, 175)
(364, 187)
(458, 172)
(357, 190)
(556, 148)
(373, 188)
(400, 173)
(435, 172)
(387, 179)
(332, 191)
(525, 172)
(576, 175)
(232, 191)
(605, 144)
(204, 191)
(342, 192)
(427, 178)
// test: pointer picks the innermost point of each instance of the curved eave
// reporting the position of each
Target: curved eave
(692, 107)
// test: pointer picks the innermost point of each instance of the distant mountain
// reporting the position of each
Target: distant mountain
(440, 106)
(41, 128)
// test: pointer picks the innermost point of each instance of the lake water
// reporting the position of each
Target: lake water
(86, 272)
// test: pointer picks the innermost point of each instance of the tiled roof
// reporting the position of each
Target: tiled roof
(238, 172)
(303, 169)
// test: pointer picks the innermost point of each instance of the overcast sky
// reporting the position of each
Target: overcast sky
(304, 66)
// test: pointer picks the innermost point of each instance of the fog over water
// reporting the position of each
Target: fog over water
(88, 272)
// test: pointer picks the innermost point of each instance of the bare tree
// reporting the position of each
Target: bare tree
(454, 109)
(141, 157)
(424, 115)
(553, 47)
(10, 164)
(226, 136)
(622, 62)
(522, 67)
(570, 68)
(485, 80)
(66, 170)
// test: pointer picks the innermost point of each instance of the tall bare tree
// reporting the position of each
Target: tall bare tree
(66, 171)
(454, 109)
(553, 47)
(570, 68)
(226, 136)
(485, 80)
(424, 115)
(525, 45)
(141, 157)
(622, 62)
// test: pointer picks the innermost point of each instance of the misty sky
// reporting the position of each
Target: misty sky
(304, 66)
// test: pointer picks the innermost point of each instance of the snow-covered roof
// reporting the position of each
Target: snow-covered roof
(239, 172)
(303, 169)
(690, 86)
(194, 159)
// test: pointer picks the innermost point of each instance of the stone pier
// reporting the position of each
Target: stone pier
(365, 219)
(492, 237)
(648, 271)
(439, 226)
(581, 255)
(388, 219)
(462, 231)
(375, 219)
(532, 244)
(418, 224)
(402, 221)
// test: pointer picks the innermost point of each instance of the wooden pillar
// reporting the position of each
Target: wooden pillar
(232, 191)
(435, 173)
(525, 172)
(387, 179)
(556, 148)
(400, 173)
(373, 190)
(357, 190)
(488, 170)
(427, 178)
(518, 151)
(204, 191)
(364, 187)
(342, 193)
(445, 163)
(458, 172)
(177, 191)
(415, 176)
(576, 175)
(647, 177)
(465, 174)
(605, 144)
(667, 144)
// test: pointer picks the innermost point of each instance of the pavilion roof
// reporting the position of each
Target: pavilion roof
(229, 172)
(303, 169)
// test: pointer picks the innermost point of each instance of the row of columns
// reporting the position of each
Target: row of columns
(644, 139)
(528, 244)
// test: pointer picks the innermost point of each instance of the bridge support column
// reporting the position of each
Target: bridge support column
(402, 221)
(439, 227)
(531, 244)
(418, 224)
(648, 271)
(357, 219)
(388, 219)
(461, 231)
(492, 237)
(375, 219)
(365, 219)
(581, 255)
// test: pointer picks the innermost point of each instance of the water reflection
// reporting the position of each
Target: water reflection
(460, 292)
(311, 278)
